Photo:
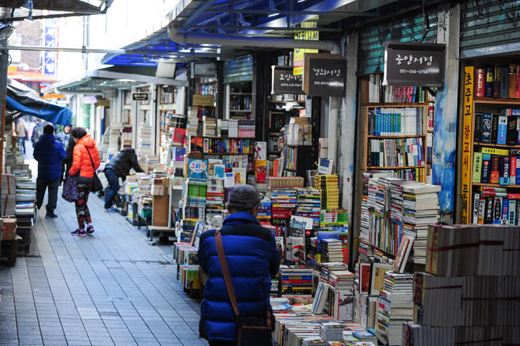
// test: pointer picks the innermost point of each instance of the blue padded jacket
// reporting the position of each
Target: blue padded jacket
(49, 153)
(252, 259)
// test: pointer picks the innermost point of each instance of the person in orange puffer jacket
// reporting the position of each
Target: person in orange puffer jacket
(85, 161)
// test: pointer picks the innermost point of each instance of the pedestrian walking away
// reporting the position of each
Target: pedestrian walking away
(65, 138)
(21, 133)
(119, 167)
(253, 258)
(85, 160)
(49, 153)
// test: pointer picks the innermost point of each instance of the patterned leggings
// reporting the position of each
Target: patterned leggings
(82, 211)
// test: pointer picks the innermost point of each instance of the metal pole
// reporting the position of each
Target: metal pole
(4, 63)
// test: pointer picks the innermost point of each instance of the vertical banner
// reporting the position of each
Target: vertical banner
(308, 36)
(466, 143)
(49, 40)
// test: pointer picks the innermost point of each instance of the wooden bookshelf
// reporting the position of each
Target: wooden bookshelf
(468, 188)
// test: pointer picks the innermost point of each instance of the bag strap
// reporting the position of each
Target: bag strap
(91, 161)
(225, 272)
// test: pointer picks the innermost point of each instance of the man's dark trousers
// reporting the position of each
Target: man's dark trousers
(113, 182)
(52, 186)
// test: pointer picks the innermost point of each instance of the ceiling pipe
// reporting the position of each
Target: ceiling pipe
(244, 41)
(166, 53)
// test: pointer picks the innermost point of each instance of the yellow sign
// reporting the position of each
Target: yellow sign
(203, 100)
(308, 36)
(466, 142)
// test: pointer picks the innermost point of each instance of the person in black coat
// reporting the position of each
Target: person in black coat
(119, 167)
(68, 159)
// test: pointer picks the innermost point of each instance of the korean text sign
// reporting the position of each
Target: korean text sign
(414, 64)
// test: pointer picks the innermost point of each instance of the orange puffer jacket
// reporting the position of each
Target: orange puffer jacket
(80, 159)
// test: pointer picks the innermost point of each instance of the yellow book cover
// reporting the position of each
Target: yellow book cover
(495, 151)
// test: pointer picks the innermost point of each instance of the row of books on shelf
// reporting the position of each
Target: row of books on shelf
(228, 146)
(396, 152)
(378, 93)
(502, 210)
(496, 169)
(502, 128)
(400, 121)
(498, 81)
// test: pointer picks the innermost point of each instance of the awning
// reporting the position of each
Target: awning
(97, 81)
(25, 100)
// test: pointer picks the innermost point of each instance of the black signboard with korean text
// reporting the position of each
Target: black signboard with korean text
(140, 96)
(324, 75)
(414, 64)
(284, 81)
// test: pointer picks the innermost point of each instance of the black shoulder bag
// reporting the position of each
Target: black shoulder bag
(96, 185)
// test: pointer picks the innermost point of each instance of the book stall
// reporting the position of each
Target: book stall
(18, 212)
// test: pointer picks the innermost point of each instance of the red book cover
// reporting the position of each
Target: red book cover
(512, 174)
(494, 177)
(513, 196)
(364, 276)
(178, 136)
(481, 82)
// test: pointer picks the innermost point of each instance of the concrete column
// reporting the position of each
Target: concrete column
(347, 138)
(446, 113)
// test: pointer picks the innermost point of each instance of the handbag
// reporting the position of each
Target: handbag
(70, 189)
(96, 185)
(251, 330)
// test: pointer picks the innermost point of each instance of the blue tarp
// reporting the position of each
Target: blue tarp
(25, 100)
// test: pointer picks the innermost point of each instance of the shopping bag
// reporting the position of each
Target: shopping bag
(70, 189)
(96, 185)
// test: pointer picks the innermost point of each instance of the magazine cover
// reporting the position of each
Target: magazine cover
(211, 167)
(220, 170)
(261, 171)
(198, 168)
(240, 175)
(260, 150)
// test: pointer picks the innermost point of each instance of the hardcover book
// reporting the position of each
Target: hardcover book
(502, 130)
(486, 168)
(494, 176)
(477, 167)
(494, 128)
(505, 168)
(486, 128)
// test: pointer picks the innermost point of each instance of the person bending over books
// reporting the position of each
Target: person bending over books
(252, 258)
(119, 166)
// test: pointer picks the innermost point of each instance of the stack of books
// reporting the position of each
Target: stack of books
(193, 121)
(314, 341)
(471, 301)
(8, 194)
(222, 128)
(113, 138)
(209, 126)
(420, 208)
(334, 218)
(283, 202)
(331, 250)
(295, 280)
(395, 306)
(328, 186)
(233, 128)
(144, 140)
(246, 128)
(144, 184)
(126, 136)
(215, 196)
(264, 211)
(308, 204)
(332, 331)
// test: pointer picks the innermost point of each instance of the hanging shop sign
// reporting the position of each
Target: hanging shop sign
(306, 35)
(284, 81)
(140, 96)
(324, 75)
(414, 64)
(203, 100)
(467, 142)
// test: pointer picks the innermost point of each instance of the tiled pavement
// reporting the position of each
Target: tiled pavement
(108, 289)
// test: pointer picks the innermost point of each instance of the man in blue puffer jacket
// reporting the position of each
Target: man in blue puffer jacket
(252, 259)
(49, 153)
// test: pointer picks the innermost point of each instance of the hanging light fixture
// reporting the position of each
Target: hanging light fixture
(272, 7)
(28, 5)
(29, 18)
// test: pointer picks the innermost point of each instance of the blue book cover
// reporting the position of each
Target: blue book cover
(197, 168)
(510, 112)
(486, 169)
(497, 210)
(505, 212)
(505, 169)
(517, 170)
(502, 130)
(486, 128)
(378, 121)
(512, 212)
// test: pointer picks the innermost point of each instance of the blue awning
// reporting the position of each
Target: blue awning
(23, 99)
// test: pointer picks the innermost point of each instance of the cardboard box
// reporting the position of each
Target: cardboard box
(160, 210)
(9, 228)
